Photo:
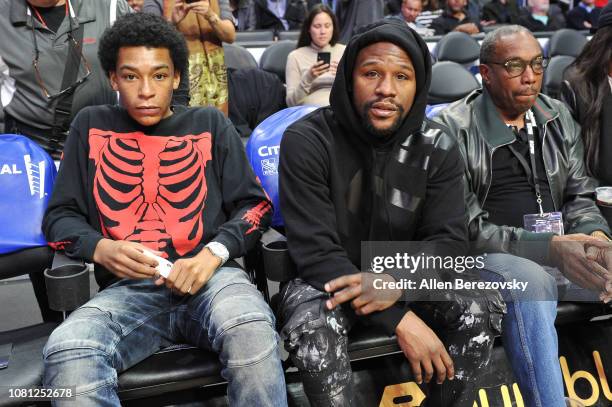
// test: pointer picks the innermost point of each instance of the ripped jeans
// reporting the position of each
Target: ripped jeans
(316, 339)
(131, 319)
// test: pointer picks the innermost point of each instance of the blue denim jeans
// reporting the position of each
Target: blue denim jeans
(529, 335)
(130, 320)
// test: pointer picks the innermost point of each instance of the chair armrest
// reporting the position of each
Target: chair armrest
(276, 262)
(25, 261)
(60, 259)
(272, 235)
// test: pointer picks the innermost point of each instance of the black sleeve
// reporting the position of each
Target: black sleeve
(308, 211)
(248, 209)
(489, 14)
(66, 221)
(575, 19)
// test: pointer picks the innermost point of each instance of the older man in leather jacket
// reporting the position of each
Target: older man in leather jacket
(526, 180)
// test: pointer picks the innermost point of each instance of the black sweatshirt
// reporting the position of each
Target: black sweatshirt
(173, 187)
(339, 185)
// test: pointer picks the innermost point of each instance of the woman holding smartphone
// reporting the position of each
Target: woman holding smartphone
(311, 68)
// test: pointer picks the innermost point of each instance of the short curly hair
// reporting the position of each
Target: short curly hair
(142, 29)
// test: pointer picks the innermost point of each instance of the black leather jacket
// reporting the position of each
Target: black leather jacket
(480, 130)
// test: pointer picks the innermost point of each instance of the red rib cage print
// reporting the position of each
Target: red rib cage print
(151, 189)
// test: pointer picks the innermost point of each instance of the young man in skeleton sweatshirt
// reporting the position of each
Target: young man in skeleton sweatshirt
(175, 182)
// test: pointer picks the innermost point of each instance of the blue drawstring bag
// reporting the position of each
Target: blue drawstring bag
(27, 174)
(263, 150)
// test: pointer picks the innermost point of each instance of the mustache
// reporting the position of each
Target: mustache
(530, 90)
(371, 103)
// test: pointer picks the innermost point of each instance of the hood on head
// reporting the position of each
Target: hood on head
(341, 98)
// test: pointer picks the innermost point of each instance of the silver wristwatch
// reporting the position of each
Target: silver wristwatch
(219, 250)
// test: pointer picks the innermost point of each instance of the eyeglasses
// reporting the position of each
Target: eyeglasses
(75, 48)
(516, 66)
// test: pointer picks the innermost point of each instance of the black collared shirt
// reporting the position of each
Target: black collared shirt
(512, 194)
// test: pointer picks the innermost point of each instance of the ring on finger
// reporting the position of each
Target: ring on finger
(189, 290)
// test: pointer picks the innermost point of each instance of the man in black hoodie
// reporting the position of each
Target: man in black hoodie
(371, 168)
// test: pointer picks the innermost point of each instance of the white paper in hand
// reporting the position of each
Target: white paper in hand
(163, 266)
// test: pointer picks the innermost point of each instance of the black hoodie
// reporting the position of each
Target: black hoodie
(341, 185)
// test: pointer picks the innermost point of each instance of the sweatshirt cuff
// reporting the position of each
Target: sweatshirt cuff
(89, 247)
(390, 318)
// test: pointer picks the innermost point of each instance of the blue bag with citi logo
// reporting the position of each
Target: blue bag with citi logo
(263, 150)
(27, 174)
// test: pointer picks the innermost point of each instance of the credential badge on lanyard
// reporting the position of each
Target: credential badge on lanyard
(543, 222)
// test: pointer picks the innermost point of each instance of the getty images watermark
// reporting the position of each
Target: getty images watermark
(426, 271)
(404, 262)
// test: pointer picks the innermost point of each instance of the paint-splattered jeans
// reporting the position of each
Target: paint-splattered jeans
(316, 340)
(132, 319)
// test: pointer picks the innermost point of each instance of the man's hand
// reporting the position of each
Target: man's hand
(188, 276)
(125, 259)
(570, 255)
(424, 350)
(358, 288)
(601, 261)
(468, 28)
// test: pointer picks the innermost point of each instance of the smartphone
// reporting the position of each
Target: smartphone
(324, 56)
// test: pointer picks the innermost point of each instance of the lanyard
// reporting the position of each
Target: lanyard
(529, 126)
(42, 20)
(69, 13)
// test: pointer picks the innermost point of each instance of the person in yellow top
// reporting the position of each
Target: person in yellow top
(205, 25)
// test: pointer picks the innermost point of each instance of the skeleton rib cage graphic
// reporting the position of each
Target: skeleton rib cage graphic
(151, 189)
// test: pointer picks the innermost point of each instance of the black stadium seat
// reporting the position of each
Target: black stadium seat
(553, 76)
(274, 58)
(288, 35)
(25, 367)
(457, 47)
(449, 82)
(565, 42)
(254, 36)
(237, 57)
